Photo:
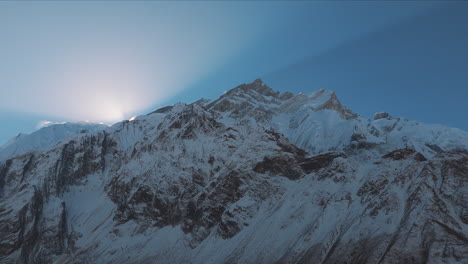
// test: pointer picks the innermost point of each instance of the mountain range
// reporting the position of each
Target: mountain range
(254, 176)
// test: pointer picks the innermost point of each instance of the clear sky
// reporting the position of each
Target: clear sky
(107, 61)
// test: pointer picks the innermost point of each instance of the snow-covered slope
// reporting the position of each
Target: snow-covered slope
(320, 123)
(255, 176)
(46, 138)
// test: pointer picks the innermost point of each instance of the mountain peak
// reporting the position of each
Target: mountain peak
(258, 86)
(327, 99)
(258, 100)
(258, 81)
(334, 104)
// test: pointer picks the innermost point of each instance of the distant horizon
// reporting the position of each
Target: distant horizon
(109, 61)
(50, 123)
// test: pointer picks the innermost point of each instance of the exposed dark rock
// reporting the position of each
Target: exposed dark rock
(3, 174)
(362, 145)
(294, 167)
(358, 137)
(454, 180)
(195, 210)
(280, 165)
(320, 161)
(434, 148)
(62, 230)
(373, 187)
(78, 160)
(381, 115)
(27, 167)
(284, 144)
(405, 153)
(228, 228)
(64, 167)
(31, 233)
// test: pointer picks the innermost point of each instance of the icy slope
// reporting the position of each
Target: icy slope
(255, 176)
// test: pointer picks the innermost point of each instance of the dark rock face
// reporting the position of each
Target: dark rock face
(294, 167)
(357, 137)
(382, 115)
(455, 181)
(425, 219)
(293, 163)
(359, 142)
(321, 161)
(434, 148)
(3, 173)
(196, 210)
(88, 154)
(35, 236)
(404, 154)
(283, 166)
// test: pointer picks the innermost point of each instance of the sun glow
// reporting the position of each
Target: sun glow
(121, 65)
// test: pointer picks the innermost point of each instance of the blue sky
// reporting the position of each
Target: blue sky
(106, 61)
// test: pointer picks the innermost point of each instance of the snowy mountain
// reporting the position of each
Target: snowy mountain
(46, 138)
(255, 176)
